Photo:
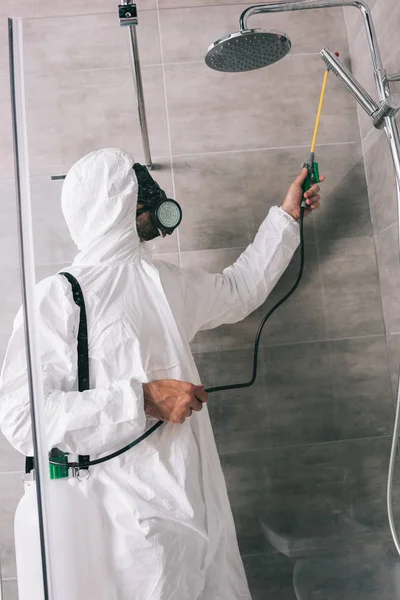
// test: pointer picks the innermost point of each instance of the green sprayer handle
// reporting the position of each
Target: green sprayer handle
(312, 177)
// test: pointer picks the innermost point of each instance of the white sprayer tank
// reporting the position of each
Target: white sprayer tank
(80, 570)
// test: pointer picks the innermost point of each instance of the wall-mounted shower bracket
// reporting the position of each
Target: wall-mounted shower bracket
(387, 108)
(127, 14)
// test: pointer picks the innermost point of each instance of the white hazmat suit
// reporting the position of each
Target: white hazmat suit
(171, 532)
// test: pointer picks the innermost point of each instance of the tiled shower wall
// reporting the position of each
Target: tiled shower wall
(378, 160)
(305, 450)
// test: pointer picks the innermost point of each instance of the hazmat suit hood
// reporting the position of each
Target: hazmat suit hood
(99, 198)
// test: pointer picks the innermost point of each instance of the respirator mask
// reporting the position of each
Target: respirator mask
(166, 214)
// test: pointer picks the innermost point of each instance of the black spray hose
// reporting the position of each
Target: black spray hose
(219, 388)
(236, 386)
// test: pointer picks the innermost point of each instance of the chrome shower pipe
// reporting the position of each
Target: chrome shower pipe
(310, 4)
(128, 18)
(385, 119)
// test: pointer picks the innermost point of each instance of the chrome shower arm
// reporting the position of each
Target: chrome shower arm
(275, 7)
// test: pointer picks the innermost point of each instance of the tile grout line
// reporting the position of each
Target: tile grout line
(188, 252)
(262, 149)
(58, 169)
(149, 65)
(385, 229)
(308, 444)
(295, 343)
(363, 139)
(168, 121)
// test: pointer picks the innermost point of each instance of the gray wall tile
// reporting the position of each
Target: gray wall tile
(4, 60)
(344, 208)
(81, 42)
(388, 265)
(294, 321)
(11, 487)
(190, 3)
(10, 589)
(361, 387)
(367, 571)
(381, 184)
(336, 391)
(393, 343)
(300, 499)
(217, 193)
(10, 459)
(386, 17)
(370, 140)
(8, 224)
(48, 270)
(37, 8)
(6, 150)
(90, 99)
(351, 285)
(10, 302)
(226, 196)
(270, 576)
(236, 117)
(228, 337)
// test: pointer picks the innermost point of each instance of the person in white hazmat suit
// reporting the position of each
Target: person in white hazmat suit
(171, 534)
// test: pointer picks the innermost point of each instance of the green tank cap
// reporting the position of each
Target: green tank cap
(60, 470)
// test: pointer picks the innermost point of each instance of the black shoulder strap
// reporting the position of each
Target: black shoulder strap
(83, 354)
(83, 344)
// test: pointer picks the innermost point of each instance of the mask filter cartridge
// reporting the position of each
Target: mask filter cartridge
(166, 214)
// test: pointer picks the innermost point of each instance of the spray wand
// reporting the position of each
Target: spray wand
(311, 165)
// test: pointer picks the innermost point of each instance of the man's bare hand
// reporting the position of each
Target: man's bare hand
(295, 194)
(172, 400)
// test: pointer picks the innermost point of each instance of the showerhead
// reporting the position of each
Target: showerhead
(247, 50)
